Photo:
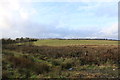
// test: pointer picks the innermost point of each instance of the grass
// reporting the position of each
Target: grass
(33, 66)
(60, 60)
(56, 42)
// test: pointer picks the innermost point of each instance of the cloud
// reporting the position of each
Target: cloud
(98, 0)
(63, 0)
(16, 19)
(75, 0)
(24, 14)
(106, 9)
(14, 9)
(13, 15)
(110, 31)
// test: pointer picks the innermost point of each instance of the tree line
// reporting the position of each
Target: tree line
(17, 40)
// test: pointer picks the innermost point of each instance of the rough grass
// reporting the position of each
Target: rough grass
(82, 61)
(56, 42)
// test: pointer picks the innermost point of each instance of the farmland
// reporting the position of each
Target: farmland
(56, 42)
(61, 59)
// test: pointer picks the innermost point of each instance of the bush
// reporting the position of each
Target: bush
(20, 62)
(23, 62)
(67, 64)
(5, 74)
(88, 60)
(57, 62)
(40, 68)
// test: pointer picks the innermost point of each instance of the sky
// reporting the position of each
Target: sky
(59, 19)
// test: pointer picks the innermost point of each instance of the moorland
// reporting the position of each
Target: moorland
(59, 58)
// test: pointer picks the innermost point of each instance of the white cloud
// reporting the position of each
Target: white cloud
(7, 9)
(62, 0)
(89, 6)
(110, 31)
(75, 0)
(61, 24)
(98, 0)
(109, 10)
(24, 14)
(12, 14)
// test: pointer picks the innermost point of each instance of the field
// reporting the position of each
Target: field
(49, 42)
(61, 59)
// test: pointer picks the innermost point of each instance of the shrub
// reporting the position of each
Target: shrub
(67, 64)
(40, 68)
(5, 74)
(20, 62)
(57, 62)
(88, 60)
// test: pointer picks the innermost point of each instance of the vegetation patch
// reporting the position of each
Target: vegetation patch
(69, 61)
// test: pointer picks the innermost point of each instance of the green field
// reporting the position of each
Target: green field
(50, 42)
